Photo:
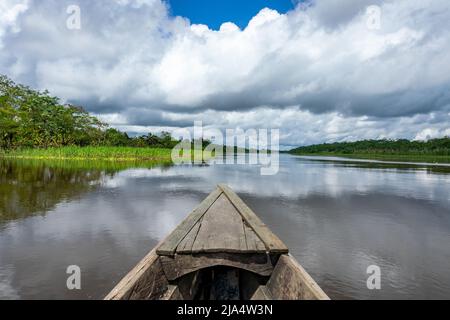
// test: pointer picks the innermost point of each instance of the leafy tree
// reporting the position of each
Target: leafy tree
(34, 119)
(30, 118)
(115, 138)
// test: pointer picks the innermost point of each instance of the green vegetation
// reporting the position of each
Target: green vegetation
(93, 153)
(33, 119)
(34, 124)
(101, 153)
(436, 150)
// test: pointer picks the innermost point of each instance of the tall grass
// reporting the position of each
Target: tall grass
(101, 153)
(91, 153)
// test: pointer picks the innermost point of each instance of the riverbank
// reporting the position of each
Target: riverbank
(385, 157)
(430, 151)
(90, 153)
(95, 156)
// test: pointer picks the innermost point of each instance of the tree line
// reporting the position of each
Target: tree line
(35, 119)
(439, 146)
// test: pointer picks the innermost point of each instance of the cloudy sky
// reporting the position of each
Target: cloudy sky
(320, 70)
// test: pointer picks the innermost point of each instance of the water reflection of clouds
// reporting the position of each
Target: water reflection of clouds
(335, 218)
(7, 290)
(106, 230)
(123, 216)
(296, 179)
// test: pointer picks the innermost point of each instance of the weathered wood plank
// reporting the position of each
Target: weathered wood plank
(185, 246)
(242, 237)
(254, 244)
(170, 244)
(172, 293)
(289, 281)
(221, 229)
(262, 293)
(271, 241)
(181, 264)
(145, 281)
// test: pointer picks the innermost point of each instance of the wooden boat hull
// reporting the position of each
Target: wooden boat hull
(261, 270)
(147, 281)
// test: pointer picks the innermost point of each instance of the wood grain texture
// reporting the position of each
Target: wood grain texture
(169, 246)
(221, 229)
(172, 293)
(185, 246)
(272, 243)
(262, 293)
(254, 243)
(289, 281)
(180, 265)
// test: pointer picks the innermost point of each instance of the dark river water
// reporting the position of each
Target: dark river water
(337, 217)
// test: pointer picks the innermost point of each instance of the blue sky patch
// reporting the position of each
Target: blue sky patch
(215, 12)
